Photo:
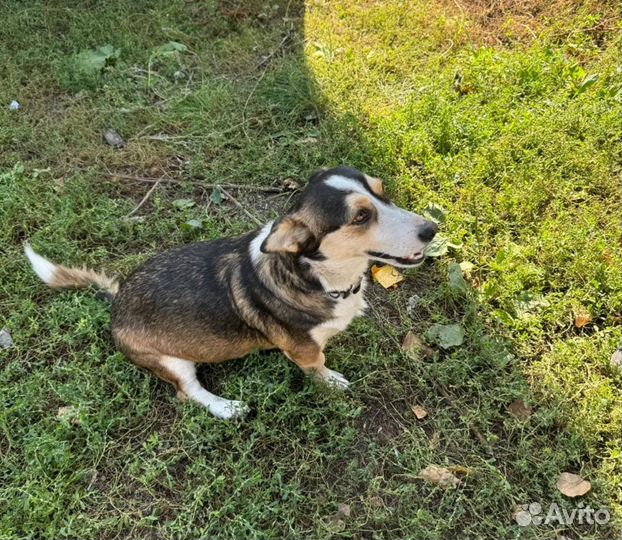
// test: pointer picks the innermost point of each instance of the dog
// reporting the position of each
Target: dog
(291, 285)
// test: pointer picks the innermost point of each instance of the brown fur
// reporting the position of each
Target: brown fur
(65, 278)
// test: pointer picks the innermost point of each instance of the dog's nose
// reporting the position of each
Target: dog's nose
(428, 231)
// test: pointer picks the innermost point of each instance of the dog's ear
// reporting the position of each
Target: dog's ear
(288, 235)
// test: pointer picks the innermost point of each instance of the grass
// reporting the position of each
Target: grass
(508, 119)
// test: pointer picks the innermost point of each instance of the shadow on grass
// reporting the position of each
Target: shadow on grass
(304, 450)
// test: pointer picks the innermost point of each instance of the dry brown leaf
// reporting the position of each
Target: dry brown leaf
(413, 344)
(439, 475)
(572, 485)
(419, 411)
(519, 410)
(291, 184)
(68, 413)
(582, 318)
(386, 275)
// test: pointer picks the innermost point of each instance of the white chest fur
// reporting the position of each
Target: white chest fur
(344, 311)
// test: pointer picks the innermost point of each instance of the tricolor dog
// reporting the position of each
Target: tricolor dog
(291, 285)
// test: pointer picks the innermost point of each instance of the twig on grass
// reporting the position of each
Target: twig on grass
(239, 205)
(267, 59)
(151, 180)
(144, 199)
(263, 64)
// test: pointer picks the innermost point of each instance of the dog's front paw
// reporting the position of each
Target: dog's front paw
(334, 379)
(228, 409)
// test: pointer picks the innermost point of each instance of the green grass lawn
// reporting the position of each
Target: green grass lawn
(508, 119)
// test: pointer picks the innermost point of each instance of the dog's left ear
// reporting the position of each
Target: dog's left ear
(288, 235)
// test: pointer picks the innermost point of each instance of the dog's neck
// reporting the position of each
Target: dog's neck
(332, 275)
(342, 275)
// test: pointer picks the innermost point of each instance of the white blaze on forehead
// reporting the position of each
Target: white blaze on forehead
(343, 183)
(388, 210)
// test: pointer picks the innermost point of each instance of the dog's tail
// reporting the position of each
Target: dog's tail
(62, 277)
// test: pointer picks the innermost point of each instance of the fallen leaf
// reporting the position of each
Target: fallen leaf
(419, 412)
(169, 49)
(435, 212)
(95, 60)
(386, 275)
(582, 318)
(192, 225)
(216, 196)
(439, 475)
(112, 138)
(183, 204)
(291, 184)
(616, 359)
(69, 414)
(446, 335)
(439, 246)
(519, 410)
(455, 278)
(413, 344)
(6, 341)
(572, 485)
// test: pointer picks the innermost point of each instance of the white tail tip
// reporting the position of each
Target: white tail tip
(42, 267)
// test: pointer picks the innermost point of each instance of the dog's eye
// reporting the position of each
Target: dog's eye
(362, 216)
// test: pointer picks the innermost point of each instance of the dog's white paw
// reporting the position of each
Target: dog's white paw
(334, 379)
(228, 409)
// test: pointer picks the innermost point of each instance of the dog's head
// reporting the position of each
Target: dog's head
(345, 214)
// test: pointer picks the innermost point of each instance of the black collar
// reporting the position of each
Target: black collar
(353, 289)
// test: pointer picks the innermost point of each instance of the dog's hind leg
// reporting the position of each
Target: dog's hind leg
(182, 374)
(185, 379)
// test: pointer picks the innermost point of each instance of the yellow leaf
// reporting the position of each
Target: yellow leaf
(386, 275)
(419, 412)
(582, 318)
(572, 485)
